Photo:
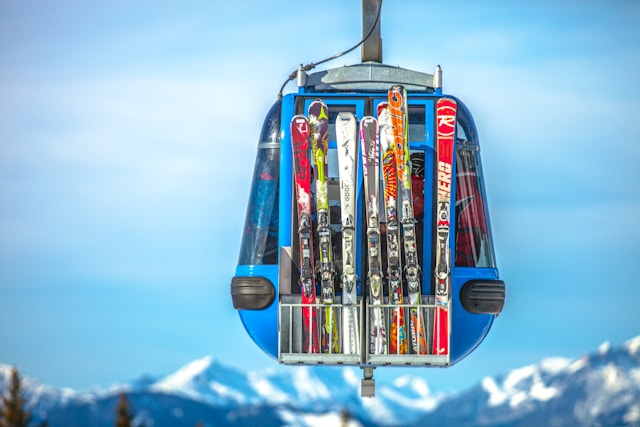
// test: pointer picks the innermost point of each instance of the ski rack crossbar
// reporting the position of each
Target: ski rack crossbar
(291, 335)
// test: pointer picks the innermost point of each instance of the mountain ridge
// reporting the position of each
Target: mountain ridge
(599, 388)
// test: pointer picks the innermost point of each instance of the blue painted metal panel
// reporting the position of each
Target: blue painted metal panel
(286, 177)
(469, 329)
(262, 325)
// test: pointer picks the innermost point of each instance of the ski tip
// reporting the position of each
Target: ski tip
(396, 89)
(300, 124)
(368, 120)
(382, 107)
(345, 116)
(447, 101)
(318, 109)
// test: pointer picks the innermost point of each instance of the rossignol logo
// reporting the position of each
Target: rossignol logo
(396, 111)
(302, 125)
(446, 120)
(299, 136)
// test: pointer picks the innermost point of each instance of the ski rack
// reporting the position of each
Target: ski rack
(291, 333)
(364, 77)
(290, 341)
(290, 311)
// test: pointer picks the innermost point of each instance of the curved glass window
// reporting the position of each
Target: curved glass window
(260, 236)
(473, 236)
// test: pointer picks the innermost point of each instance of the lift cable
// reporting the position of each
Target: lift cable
(312, 65)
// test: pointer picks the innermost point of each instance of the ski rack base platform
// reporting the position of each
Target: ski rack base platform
(290, 338)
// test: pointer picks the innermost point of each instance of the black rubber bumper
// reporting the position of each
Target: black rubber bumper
(483, 296)
(252, 293)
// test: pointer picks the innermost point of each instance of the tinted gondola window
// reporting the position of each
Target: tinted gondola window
(417, 127)
(260, 237)
(473, 236)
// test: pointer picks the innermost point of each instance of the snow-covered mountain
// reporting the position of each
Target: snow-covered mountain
(301, 389)
(599, 389)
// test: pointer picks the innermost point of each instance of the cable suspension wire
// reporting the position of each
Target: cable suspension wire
(312, 65)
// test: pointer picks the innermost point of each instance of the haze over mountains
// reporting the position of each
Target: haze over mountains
(599, 389)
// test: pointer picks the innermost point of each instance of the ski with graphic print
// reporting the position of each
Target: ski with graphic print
(446, 109)
(398, 111)
(319, 122)
(371, 172)
(346, 139)
(302, 172)
(397, 328)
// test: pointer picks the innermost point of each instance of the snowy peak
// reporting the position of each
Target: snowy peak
(522, 385)
(206, 380)
(188, 377)
(299, 388)
(601, 388)
(633, 346)
(604, 348)
(188, 373)
(531, 383)
(609, 369)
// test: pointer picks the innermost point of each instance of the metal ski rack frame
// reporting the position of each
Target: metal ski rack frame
(370, 80)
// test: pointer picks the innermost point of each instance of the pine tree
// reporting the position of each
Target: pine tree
(13, 413)
(345, 417)
(123, 412)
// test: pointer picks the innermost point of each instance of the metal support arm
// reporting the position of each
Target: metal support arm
(372, 47)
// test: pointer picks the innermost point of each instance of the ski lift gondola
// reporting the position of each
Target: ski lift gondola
(266, 287)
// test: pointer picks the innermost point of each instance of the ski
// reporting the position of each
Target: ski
(302, 172)
(398, 111)
(370, 163)
(397, 330)
(319, 123)
(346, 136)
(445, 133)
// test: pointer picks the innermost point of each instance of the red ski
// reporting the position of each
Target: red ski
(445, 141)
(302, 170)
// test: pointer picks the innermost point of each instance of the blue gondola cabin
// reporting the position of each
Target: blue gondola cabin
(266, 290)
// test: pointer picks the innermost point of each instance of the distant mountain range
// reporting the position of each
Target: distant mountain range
(599, 389)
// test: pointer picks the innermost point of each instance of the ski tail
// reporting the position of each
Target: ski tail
(330, 337)
(300, 131)
(350, 329)
(446, 109)
(347, 146)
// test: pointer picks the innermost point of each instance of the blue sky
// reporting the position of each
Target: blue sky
(125, 169)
